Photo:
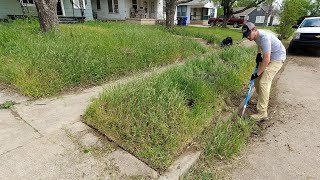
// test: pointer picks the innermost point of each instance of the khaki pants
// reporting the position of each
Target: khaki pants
(263, 84)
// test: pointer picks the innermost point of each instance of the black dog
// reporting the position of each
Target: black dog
(226, 42)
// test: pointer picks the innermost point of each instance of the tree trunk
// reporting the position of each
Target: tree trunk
(268, 13)
(170, 12)
(226, 12)
(47, 12)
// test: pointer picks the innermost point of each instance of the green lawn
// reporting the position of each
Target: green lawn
(157, 117)
(212, 34)
(81, 55)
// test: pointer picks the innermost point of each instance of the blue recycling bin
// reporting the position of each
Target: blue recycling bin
(184, 21)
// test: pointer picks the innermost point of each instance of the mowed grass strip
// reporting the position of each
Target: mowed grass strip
(213, 35)
(81, 55)
(156, 118)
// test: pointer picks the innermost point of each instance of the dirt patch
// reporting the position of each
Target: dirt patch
(289, 147)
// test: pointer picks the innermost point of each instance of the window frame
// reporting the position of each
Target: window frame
(77, 6)
(28, 3)
(180, 11)
(260, 19)
(113, 6)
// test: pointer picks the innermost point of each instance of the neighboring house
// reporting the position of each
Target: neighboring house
(65, 8)
(257, 15)
(141, 11)
(197, 11)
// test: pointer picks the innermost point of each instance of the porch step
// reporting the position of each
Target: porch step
(69, 20)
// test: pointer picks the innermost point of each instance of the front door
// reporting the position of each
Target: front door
(59, 8)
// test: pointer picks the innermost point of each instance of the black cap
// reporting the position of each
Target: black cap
(247, 28)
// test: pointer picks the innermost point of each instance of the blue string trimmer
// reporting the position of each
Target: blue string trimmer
(249, 91)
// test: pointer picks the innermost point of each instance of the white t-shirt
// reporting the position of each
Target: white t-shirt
(267, 41)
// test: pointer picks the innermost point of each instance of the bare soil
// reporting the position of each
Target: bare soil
(289, 147)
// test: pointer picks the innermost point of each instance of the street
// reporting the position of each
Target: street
(290, 147)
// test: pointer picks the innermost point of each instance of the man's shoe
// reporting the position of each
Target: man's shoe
(259, 116)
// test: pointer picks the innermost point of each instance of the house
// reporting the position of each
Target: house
(257, 15)
(65, 8)
(141, 11)
(197, 11)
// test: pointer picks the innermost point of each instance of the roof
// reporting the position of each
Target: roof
(244, 13)
(199, 3)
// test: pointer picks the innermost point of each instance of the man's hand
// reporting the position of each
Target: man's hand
(254, 76)
(259, 58)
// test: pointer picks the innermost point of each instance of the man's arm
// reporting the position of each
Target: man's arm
(259, 49)
(264, 63)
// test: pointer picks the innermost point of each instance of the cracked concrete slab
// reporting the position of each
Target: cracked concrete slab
(44, 159)
(129, 165)
(6, 95)
(14, 132)
(48, 115)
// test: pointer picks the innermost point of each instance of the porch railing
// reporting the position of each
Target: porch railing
(199, 17)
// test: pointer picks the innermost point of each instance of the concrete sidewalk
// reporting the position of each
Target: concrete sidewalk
(45, 139)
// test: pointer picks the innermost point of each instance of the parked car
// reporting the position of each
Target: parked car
(234, 21)
(307, 35)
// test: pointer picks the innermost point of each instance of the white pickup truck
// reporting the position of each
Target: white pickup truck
(307, 36)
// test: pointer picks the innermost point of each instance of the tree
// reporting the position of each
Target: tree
(229, 4)
(47, 13)
(315, 8)
(269, 4)
(171, 6)
(291, 11)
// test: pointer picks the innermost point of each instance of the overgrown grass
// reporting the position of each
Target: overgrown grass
(223, 142)
(157, 117)
(7, 105)
(41, 65)
(213, 35)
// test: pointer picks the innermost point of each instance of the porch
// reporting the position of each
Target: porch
(145, 21)
(66, 10)
(200, 16)
(197, 11)
(137, 11)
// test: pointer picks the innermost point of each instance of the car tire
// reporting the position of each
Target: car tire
(236, 25)
(212, 24)
(292, 49)
(219, 24)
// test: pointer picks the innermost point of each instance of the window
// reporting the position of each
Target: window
(27, 2)
(181, 10)
(134, 4)
(260, 19)
(113, 6)
(98, 4)
(152, 9)
(311, 23)
(79, 4)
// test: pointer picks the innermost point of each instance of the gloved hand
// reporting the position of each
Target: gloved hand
(259, 58)
(254, 76)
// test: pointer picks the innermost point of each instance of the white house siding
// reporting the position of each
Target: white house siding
(159, 9)
(12, 7)
(103, 13)
(124, 9)
(69, 11)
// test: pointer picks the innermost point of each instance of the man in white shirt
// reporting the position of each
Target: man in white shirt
(271, 56)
